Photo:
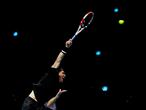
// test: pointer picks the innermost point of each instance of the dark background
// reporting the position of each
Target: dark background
(43, 29)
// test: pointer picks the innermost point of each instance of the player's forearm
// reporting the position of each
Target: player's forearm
(62, 54)
(58, 60)
(52, 101)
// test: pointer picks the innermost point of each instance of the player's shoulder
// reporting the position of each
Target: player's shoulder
(53, 70)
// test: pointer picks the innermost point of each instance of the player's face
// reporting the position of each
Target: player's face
(61, 75)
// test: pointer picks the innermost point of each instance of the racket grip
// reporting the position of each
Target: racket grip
(73, 37)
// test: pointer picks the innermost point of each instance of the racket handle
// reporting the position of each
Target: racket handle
(73, 37)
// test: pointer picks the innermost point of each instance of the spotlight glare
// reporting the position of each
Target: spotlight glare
(116, 10)
(15, 34)
(98, 53)
(104, 88)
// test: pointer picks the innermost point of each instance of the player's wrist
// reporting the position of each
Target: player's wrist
(65, 50)
(57, 96)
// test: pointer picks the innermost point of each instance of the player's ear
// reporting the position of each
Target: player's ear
(61, 69)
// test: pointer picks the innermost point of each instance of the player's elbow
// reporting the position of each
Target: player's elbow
(55, 65)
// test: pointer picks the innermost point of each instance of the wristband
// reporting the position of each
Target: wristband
(65, 50)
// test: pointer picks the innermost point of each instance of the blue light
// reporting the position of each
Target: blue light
(98, 53)
(15, 34)
(116, 10)
(104, 88)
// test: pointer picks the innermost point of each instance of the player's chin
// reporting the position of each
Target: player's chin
(61, 81)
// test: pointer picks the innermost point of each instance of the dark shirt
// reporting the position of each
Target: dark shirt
(47, 87)
(31, 104)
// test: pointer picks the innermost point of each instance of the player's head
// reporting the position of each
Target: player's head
(61, 75)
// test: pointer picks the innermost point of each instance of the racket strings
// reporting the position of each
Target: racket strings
(82, 23)
(86, 20)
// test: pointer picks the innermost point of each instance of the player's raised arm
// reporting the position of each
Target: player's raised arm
(62, 54)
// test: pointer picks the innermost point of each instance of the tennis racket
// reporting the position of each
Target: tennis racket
(84, 23)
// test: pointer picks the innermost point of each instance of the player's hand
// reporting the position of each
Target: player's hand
(60, 92)
(68, 43)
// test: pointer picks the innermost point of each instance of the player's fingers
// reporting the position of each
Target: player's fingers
(64, 91)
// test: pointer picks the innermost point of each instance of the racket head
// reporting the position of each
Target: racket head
(84, 23)
(87, 19)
